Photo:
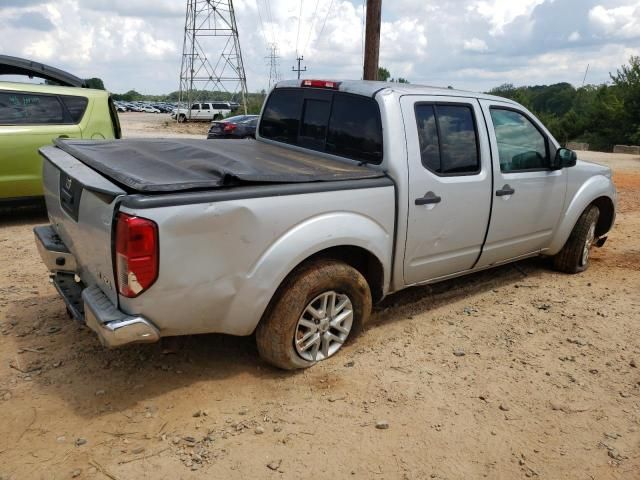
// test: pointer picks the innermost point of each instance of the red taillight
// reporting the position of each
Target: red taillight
(230, 127)
(320, 84)
(136, 254)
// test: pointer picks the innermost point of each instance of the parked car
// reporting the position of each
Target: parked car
(149, 109)
(32, 116)
(240, 126)
(294, 235)
(202, 112)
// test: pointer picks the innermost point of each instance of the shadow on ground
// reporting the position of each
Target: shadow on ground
(28, 214)
(66, 359)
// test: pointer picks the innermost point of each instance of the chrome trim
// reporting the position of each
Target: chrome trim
(115, 328)
(55, 261)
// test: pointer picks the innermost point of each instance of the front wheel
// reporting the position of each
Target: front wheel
(318, 308)
(182, 119)
(574, 256)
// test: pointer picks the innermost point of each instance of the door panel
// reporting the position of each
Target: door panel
(448, 207)
(529, 197)
(20, 162)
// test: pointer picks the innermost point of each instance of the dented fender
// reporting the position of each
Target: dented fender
(302, 241)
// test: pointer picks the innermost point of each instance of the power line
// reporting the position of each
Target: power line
(263, 30)
(273, 32)
(299, 22)
(313, 21)
(325, 21)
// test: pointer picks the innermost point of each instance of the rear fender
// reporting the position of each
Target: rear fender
(294, 247)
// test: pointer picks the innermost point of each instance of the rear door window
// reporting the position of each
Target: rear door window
(448, 139)
(76, 106)
(31, 109)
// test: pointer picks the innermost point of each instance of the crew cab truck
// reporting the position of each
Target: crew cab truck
(352, 191)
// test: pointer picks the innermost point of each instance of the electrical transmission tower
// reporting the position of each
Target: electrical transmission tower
(274, 66)
(211, 56)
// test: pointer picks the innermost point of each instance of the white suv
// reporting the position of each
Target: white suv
(202, 112)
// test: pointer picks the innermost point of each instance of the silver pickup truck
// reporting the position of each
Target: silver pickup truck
(352, 190)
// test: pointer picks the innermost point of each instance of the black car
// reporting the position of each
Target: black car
(240, 126)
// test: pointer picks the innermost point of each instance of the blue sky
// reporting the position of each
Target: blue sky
(470, 44)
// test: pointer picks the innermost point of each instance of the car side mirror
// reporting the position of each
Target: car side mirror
(565, 158)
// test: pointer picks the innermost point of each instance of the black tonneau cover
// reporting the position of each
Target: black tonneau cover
(173, 165)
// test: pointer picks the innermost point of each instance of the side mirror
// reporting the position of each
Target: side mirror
(565, 158)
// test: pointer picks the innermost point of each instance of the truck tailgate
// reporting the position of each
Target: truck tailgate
(81, 204)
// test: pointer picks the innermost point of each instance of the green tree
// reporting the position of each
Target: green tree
(626, 82)
(95, 82)
(383, 74)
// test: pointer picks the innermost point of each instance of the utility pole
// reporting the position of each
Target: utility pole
(372, 40)
(294, 69)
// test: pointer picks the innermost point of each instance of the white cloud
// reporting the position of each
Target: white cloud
(138, 43)
(620, 22)
(501, 12)
(475, 45)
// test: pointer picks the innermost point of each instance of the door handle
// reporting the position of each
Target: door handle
(504, 191)
(428, 199)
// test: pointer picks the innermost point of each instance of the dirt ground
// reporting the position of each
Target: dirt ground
(511, 373)
(159, 125)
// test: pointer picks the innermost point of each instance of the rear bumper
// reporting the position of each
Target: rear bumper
(90, 305)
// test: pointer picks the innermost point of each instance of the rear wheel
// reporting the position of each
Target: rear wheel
(574, 256)
(317, 309)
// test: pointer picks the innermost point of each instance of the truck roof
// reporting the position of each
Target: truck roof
(370, 88)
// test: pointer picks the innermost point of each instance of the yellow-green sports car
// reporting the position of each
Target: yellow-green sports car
(32, 116)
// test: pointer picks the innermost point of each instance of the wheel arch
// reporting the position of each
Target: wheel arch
(607, 214)
(368, 264)
(598, 191)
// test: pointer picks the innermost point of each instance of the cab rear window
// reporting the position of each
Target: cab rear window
(338, 123)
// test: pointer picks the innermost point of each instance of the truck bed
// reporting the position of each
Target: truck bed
(177, 165)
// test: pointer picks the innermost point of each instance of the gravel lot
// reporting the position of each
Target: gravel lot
(511, 373)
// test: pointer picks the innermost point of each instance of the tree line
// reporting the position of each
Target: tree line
(600, 115)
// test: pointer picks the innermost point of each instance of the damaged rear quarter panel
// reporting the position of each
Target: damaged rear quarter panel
(221, 262)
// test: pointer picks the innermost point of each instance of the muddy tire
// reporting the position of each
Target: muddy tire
(319, 307)
(182, 119)
(574, 256)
